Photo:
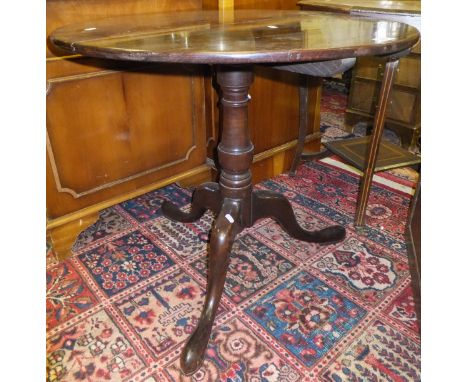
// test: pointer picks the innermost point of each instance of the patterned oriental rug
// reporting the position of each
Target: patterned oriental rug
(123, 306)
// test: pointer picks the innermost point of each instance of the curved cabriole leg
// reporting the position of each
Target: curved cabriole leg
(206, 196)
(274, 205)
(222, 237)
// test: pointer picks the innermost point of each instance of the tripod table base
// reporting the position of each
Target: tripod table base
(228, 224)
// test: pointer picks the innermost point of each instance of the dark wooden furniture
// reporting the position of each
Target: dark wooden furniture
(390, 156)
(104, 105)
(404, 109)
(248, 37)
(318, 70)
(369, 154)
(382, 102)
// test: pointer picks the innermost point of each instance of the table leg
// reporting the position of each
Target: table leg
(379, 121)
(222, 238)
(303, 121)
(303, 124)
(276, 206)
(206, 196)
(235, 203)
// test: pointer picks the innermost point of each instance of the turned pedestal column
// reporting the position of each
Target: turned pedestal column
(235, 204)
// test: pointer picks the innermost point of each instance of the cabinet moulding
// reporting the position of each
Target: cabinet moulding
(77, 194)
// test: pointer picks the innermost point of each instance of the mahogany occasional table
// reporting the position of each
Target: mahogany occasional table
(249, 37)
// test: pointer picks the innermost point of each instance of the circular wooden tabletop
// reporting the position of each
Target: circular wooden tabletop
(243, 36)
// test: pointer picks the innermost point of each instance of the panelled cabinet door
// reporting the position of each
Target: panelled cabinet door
(364, 95)
(115, 128)
(110, 131)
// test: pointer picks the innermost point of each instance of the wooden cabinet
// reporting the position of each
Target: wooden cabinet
(403, 114)
(116, 130)
(108, 123)
(404, 110)
(100, 143)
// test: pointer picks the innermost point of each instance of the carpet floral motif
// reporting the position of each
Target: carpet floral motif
(92, 350)
(323, 208)
(253, 265)
(67, 294)
(122, 308)
(323, 184)
(403, 310)
(333, 106)
(148, 206)
(235, 354)
(124, 262)
(331, 132)
(379, 354)
(184, 239)
(365, 270)
(306, 316)
(362, 269)
(109, 222)
(164, 313)
(296, 248)
(378, 211)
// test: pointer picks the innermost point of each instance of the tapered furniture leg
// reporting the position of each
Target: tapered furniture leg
(303, 124)
(222, 238)
(303, 121)
(276, 206)
(206, 196)
(379, 120)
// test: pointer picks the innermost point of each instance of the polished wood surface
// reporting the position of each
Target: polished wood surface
(273, 115)
(409, 7)
(190, 177)
(303, 122)
(272, 119)
(371, 159)
(75, 84)
(63, 236)
(64, 12)
(92, 102)
(253, 36)
(404, 110)
(185, 38)
(224, 5)
(108, 145)
(235, 203)
(356, 150)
